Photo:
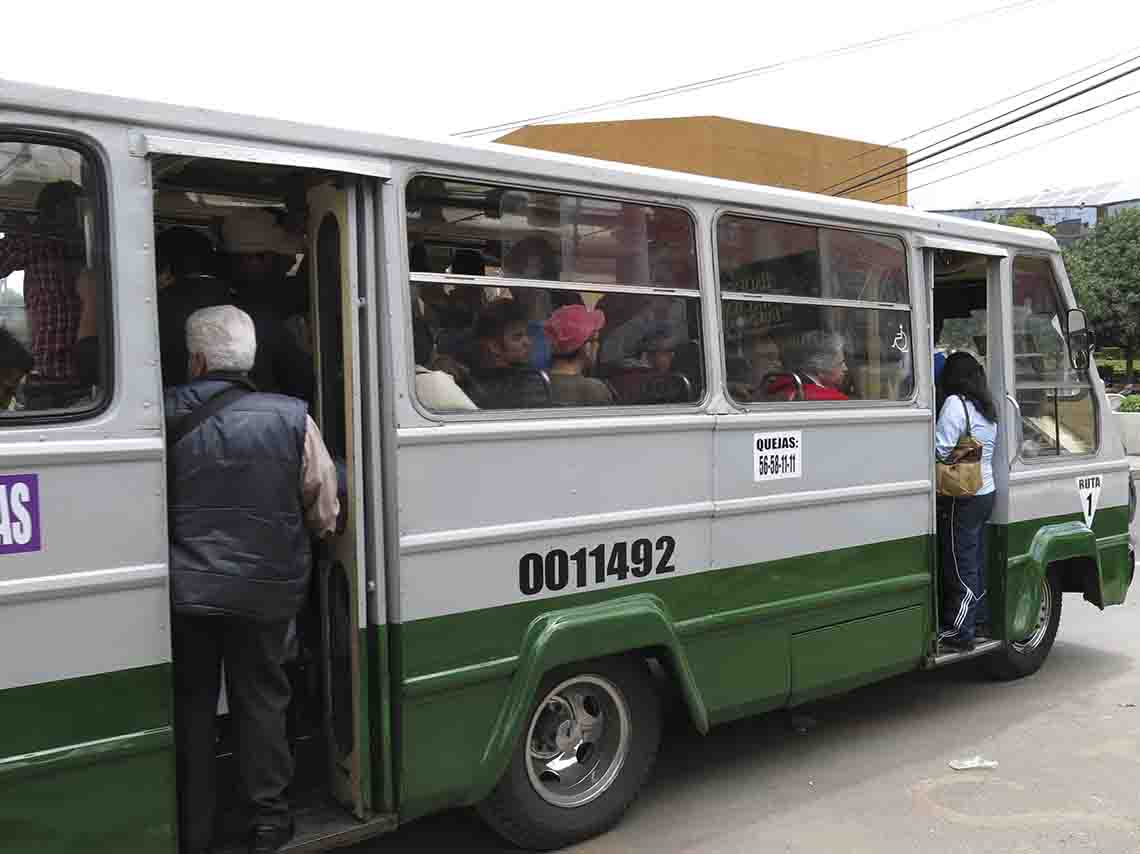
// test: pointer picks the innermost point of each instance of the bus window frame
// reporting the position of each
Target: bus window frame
(1056, 265)
(517, 182)
(96, 158)
(910, 401)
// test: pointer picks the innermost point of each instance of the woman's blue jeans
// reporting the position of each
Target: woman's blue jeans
(962, 555)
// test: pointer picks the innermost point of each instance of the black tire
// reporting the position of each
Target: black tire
(518, 812)
(1018, 659)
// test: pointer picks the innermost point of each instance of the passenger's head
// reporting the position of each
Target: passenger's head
(501, 332)
(573, 334)
(15, 362)
(764, 357)
(58, 208)
(819, 354)
(659, 351)
(261, 249)
(182, 252)
(531, 258)
(220, 338)
(468, 262)
(963, 375)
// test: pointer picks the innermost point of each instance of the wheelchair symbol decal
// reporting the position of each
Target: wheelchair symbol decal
(901, 342)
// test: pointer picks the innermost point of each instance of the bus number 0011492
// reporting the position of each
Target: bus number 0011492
(558, 569)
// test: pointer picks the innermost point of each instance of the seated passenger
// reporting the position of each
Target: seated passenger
(816, 359)
(623, 347)
(456, 313)
(501, 377)
(15, 364)
(573, 333)
(747, 384)
(437, 390)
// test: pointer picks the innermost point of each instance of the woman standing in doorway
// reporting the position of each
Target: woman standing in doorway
(968, 408)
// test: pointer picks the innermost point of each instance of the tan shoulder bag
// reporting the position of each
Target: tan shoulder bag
(961, 474)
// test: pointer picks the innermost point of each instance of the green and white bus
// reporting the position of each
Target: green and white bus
(516, 581)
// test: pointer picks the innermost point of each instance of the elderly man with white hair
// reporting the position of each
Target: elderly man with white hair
(250, 481)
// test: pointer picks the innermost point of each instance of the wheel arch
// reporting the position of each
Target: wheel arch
(637, 624)
(1068, 548)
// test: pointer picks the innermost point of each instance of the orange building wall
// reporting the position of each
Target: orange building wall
(725, 148)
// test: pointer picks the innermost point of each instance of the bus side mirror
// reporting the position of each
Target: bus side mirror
(1079, 338)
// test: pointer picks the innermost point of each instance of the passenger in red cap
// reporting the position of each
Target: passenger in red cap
(574, 344)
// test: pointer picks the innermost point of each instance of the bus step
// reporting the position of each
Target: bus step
(323, 826)
(984, 646)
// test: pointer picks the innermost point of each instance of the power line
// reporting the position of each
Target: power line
(1005, 139)
(905, 158)
(1002, 126)
(1004, 100)
(1012, 154)
(750, 72)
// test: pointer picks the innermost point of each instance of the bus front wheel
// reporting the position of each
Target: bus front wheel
(1021, 658)
(589, 743)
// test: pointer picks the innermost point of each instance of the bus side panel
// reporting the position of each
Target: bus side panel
(847, 537)
(734, 627)
(86, 744)
(611, 509)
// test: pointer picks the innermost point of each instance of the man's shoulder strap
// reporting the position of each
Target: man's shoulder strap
(190, 422)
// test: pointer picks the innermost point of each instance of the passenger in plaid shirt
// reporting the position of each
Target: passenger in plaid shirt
(51, 261)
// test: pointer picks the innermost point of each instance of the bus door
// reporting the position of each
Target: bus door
(196, 181)
(964, 283)
(1058, 465)
(337, 294)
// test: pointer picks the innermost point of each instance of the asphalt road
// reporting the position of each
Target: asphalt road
(872, 775)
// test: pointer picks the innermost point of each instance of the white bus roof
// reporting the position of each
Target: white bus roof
(150, 115)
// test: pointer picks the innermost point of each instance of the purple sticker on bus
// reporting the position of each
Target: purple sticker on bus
(19, 513)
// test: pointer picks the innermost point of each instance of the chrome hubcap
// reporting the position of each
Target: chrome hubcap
(1043, 614)
(577, 741)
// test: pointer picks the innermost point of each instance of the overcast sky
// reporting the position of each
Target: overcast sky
(435, 68)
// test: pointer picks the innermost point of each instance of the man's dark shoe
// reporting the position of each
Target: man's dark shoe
(957, 644)
(267, 838)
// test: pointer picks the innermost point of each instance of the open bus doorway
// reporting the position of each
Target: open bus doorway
(965, 288)
(296, 295)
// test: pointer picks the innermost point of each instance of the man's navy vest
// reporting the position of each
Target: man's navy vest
(238, 543)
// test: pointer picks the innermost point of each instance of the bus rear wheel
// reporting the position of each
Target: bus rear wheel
(589, 743)
(1024, 657)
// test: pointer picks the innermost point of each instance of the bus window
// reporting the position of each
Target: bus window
(52, 346)
(526, 299)
(1057, 414)
(813, 313)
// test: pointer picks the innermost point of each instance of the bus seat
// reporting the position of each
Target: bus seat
(796, 379)
(527, 388)
(645, 387)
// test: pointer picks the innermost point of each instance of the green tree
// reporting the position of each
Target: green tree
(1104, 269)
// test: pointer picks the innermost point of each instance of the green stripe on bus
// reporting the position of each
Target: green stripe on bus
(85, 709)
(429, 646)
(71, 756)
